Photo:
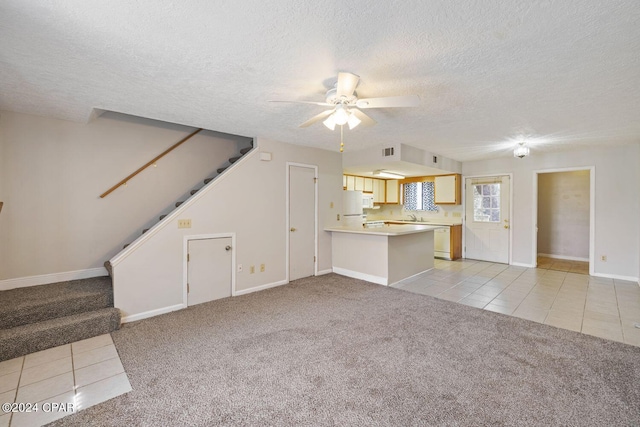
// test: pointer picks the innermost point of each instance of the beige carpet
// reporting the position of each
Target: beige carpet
(336, 351)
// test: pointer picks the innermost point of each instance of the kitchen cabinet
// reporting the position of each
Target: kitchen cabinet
(351, 182)
(379, 190)
(448, 189)
(368, 185)
(392, 191)
(359, 185)
(448, 242)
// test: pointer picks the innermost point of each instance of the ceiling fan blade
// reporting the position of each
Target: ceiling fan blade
(347, 83)
(316, 118)
(364, 119)
(389, 102)
(324, 104)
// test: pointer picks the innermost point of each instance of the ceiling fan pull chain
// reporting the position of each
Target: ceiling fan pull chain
(341, 141)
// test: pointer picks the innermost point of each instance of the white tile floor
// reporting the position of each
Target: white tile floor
(61, 380)
(606, 308)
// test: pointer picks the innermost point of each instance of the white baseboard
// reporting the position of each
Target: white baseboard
(152, 313)
(564, 257)
(616, 276)
(323, 272)
(522, 264)
(410, 278)
(260, 288)
(357, 275)
(46, 279)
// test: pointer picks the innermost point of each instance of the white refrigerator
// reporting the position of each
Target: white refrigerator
(352, 208)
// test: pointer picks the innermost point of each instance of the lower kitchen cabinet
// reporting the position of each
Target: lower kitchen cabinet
(448, 242)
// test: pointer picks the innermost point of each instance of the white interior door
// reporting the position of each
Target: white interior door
(302, 221)
(208, 270)
(487, 219)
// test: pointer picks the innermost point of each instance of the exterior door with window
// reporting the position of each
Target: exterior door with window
(487, 219)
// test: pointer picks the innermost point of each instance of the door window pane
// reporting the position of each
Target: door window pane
(486, 202)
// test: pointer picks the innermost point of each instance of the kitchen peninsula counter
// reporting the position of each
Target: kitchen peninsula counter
(383, 255)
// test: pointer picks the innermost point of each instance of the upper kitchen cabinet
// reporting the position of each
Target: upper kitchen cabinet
(359, 183)
(448, 189)
(379, 191)
(393, 191)
(349, 182)
(368, 185)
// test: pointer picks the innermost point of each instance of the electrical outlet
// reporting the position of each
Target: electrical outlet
(184, 223)
(261, 268)
(239, 268)
(604, 258)
(446, 214)
(338, 217)
(252, 269)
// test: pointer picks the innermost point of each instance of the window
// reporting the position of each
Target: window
(419, 196)
(486, 202)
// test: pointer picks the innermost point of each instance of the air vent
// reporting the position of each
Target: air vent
(387, 152)
(435, 160)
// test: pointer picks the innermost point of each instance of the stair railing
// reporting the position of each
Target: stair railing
(149, 163)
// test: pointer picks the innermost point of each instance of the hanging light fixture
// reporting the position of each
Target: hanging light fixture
(521, 150)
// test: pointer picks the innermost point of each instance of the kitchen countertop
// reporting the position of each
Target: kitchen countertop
(442, 223)
(398, 229)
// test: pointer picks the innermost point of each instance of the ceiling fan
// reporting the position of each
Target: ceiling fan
(345, 106)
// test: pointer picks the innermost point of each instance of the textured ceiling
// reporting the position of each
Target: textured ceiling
(564, 73)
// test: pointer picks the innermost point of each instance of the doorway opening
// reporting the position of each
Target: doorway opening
(564, 203)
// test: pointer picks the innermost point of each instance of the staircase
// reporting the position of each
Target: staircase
(219, 171)
(39, 317)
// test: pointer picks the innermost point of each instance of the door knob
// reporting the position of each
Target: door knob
(506, 226)
(227, 248)
(293, 229)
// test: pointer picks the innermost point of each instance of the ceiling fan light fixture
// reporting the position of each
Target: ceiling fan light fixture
(353, 121)
(341, 116)
(521, 150)
(330, 122)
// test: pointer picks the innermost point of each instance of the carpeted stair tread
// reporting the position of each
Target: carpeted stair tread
(193, 192)
(234, 159)
(245, 150)
(33, 304)
(220, 170)
(208, 180)
(39, 336)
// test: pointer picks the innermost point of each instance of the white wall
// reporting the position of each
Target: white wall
(563, 214)
(53, 172)
(617, 205)
(250, 201)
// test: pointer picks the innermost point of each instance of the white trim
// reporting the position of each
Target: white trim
(521, 264)
(464, 211)
(592, 212)
(315, 214)
(120, 256)
(568, 258)
(323, 272)
(411, 278)
(362, 276)
(261, 287)
(152, 313)
(185, 268)
(45, 279)
(616, 276)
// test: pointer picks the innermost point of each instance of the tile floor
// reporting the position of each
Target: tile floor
(606, 308)
(62, 380)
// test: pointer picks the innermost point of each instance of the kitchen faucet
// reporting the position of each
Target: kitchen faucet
(413, 218)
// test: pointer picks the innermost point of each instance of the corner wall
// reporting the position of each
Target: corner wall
(250, 201)
(52, 174)
(617, 205)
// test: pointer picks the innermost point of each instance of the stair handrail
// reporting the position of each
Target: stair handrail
(149, 163)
